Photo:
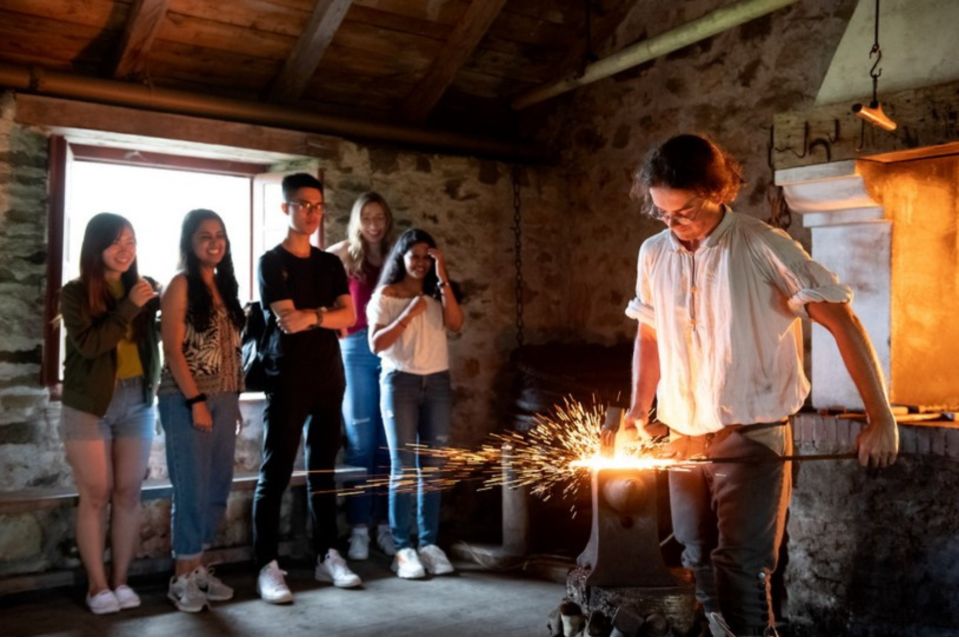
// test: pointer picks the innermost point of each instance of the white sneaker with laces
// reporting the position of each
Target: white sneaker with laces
(185, 594)
(103, 602)
(407, 565)
(271, 586)
(215, 590)
(333, 569)
(359, 544)
(384, 540)
(126, 597)
(435, 560)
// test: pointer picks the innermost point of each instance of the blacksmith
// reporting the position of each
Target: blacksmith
(720, 297)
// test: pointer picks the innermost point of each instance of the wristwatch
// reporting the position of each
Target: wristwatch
(200, 397)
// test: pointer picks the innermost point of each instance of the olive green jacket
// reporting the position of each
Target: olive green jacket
(90, 367)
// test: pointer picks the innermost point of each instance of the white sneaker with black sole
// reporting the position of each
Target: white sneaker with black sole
(271, 586)
(333, 569)
(435, 561)
(407, 565)
(212, 586)
(185, 594)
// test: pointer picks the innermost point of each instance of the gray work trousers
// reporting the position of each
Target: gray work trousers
(730, 519)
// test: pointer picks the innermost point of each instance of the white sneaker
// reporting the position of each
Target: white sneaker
(718, 627)
(435, 561)
(359, 544)
(333, 569)
(126, 597)
(103, 602)
(384, 540)
(407, 565)
(271, 586)
(185, 594)
(215, 590)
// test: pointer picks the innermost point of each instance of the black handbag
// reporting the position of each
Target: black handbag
(254, 331)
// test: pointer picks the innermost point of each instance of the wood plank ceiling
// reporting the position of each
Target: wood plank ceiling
(447, 64)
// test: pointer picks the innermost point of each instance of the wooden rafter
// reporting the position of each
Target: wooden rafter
(144, 22)
(604, 20)
(310, 47)
(464, 38)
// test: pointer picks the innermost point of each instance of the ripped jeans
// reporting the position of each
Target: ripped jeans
(416, 410)
(365, 438)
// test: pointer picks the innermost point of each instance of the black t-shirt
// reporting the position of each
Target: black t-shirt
(312, 282)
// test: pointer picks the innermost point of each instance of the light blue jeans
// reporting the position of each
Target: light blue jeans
(127, 416)
(365, 437)
(200, 464)
(416, 410)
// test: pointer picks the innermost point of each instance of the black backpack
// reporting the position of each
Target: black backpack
(254, 332)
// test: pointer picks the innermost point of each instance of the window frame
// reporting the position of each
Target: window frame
(62, 152)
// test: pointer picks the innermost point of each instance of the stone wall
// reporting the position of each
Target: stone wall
(728, 87)
(466, 203)
(874, 553)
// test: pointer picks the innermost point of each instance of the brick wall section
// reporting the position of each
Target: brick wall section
(874, 553)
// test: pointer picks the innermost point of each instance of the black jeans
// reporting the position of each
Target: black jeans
(730, 519)
(296, 403)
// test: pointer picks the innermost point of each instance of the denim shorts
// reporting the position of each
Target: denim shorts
(128, 416)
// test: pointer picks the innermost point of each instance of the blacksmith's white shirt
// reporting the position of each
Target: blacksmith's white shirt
(728, 321)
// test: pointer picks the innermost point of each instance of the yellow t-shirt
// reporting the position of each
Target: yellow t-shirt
(128, 355)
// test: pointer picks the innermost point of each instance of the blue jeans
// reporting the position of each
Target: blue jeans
(200, 464)
(365, 437)
(416, 410)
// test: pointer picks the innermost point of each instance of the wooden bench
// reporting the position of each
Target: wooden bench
(27, 500)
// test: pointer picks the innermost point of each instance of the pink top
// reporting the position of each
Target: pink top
(361, 288)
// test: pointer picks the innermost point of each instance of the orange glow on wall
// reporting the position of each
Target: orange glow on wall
(921, 197)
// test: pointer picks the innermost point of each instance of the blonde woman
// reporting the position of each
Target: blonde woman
(369, 236)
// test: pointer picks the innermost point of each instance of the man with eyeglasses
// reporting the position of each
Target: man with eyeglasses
(305, 293)
(719, 302)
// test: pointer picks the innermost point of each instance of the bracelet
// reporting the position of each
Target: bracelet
(200, 397)
(319, 316)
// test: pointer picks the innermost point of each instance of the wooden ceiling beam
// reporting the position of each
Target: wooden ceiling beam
(462, 41)
(300, 66)
(146, 17)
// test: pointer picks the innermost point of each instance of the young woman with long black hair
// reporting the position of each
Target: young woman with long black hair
(199, 400)
(409, 314)
(108, 420)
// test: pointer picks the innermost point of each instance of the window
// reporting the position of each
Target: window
(155, 200)
(154, 191)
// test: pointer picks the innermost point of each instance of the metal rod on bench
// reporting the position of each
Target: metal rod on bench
(791, 458)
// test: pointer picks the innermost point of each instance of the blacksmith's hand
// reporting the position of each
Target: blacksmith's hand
(632, 433)
(878, 443)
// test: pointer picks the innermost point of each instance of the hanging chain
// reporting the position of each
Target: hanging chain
(874, 72)
(518, 254)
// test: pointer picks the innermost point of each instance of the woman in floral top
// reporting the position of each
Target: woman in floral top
(199, 400)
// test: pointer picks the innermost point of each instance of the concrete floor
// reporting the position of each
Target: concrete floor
(471, 603)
